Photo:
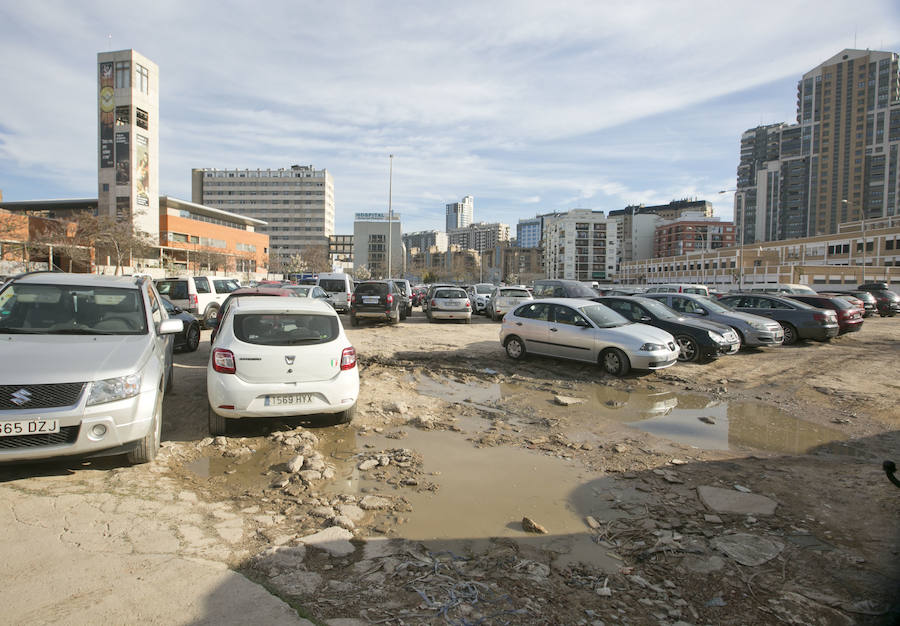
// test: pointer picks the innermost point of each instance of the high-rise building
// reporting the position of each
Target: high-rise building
(297, 203)
(481, 236)
(460, 214)
(528, 232)
(838, 163)
(128, 138)
(636, 224)
(580, 245)
(373, 236)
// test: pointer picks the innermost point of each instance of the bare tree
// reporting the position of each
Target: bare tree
(107, 234)
(361, 273)
(316, 259)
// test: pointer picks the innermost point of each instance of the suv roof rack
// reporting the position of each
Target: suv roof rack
(33, 272)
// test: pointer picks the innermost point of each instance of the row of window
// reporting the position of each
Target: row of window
(141, 76)
(210, 220)
(266, 174)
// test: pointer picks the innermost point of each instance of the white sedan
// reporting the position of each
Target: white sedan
(279, 357)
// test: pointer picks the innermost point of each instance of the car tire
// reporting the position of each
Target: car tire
(403, 314)
(345, 417)
(215, 422)
(790, 334)
(615, 362)
(740, 338)
(395, 317)
(469, 320)
(170, 378)
(210, 314)
(689, 351)
(148, 447)
(354, 321)
(192, 341)
(515, 348)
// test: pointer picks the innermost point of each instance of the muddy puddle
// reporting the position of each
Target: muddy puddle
(691, 419)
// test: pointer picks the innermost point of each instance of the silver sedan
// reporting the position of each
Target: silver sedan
(582, 330)
(753, 330)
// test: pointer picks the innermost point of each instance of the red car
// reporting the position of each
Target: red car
(849, 316)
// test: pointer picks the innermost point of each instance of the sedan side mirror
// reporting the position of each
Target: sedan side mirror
(582, 323)
(645, 319)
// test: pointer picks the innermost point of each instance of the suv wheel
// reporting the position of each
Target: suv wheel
(345, 417)
(211, 314)
(148, 446)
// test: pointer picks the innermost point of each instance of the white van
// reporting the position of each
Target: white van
(700, 290)
(339, 286)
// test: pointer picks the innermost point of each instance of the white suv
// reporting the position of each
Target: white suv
(200, 296)
(86, 361)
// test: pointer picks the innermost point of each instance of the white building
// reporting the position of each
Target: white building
(460, 214)
(297, 203)
(481, 236)
(580, 245)
(128, 138)
(371, 241)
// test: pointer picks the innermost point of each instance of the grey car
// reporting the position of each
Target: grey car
(449, 303)
(797, 319)
(582, 330)
(753, 330)
(86, 362)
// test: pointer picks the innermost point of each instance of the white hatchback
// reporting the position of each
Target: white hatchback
(280, 357)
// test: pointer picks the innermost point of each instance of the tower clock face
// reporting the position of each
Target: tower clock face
(107, 99)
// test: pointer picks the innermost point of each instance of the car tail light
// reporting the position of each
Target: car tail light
(352, 298)
(468, 304)
(390, 298)
(433, 303)
(348, 358)
(192, 298)
(223, 361)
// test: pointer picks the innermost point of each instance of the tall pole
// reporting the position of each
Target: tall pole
(390, 211)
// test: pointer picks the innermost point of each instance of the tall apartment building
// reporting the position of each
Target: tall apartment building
(425, 239)
(838, 163)
(128, 138)
(481, 236)
(297, 203)
(580, 245)
(689, 233)
(528, 232)
(460, 214)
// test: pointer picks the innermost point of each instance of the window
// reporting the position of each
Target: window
(123, 116)
(142, 78)
(123, 74)
(142, 119)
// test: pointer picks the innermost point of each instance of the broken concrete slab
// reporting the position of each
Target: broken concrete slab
(334, 540)
(730, 501)
(746, 549)
(703, 565)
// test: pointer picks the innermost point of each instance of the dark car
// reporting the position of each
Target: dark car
(849, 316)
(887, 302)
(560, 288)
(378, 300)
(245, 292)
(798, 319)
(869, 302)
(406, 293)
(699, 340)
(189, 338)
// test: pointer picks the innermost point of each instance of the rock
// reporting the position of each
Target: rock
(587, 446)
(591, 522)
(621, 448)
(298, 583)
(281, 482)
(712, 519)
(368, 464)
(743, 489)
(220, 441)
(530, 526)
(323, 512)
(343, 521)
(205, 442)
(567, 401)
(295, 464)
(279, 559)
(372, 503)
(351, 511)
(748, 549)
(397, 407)
(678, 462)
(729, 501)
(309, 476)
(717, 601)
(316, 463)
(335, 541)
(328, 474)
(703, 565)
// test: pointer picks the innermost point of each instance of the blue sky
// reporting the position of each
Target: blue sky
(527, 106)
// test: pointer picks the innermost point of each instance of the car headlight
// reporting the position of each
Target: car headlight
(113, 389)
(716, 337)
(652, 347)
(758, 325)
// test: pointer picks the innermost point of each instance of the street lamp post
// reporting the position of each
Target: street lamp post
(390, 211)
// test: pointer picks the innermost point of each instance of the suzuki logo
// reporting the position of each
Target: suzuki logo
(289, 359)
(21, 397)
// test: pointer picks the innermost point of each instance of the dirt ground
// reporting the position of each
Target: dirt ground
(744, 491)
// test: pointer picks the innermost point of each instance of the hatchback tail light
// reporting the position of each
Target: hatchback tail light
(223, 361)
(433, 303)
(348, 358)
(468, 304)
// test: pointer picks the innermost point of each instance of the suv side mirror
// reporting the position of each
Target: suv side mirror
(645, 319)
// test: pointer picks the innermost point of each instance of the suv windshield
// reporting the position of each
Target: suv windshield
(285, 329)
(65, 309)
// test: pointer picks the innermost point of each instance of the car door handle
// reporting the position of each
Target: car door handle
(553, 330)
(518, 323)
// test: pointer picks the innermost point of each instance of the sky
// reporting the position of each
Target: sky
(527, 106)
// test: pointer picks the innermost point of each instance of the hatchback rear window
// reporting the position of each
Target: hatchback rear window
(450, 293)
(333, 285)
(514, 293)
(285, 329)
